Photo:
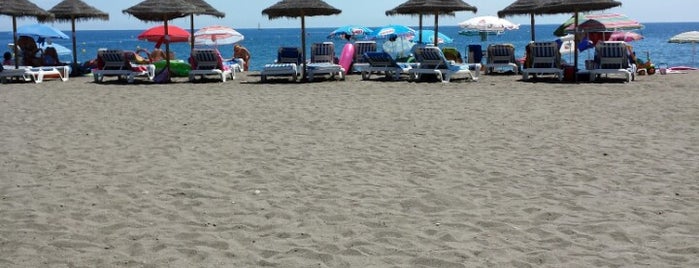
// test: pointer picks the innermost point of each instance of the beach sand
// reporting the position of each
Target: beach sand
(497, 173)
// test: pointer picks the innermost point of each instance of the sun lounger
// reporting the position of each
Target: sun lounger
(382, 62)
(114, 63)
(543, 58)
(209, 62)
(431, 60)
(287, 64)
(611, 57)
(323, 61)
(501, 56)
(35, 74)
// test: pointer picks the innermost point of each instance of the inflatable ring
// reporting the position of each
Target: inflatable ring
(178, 68)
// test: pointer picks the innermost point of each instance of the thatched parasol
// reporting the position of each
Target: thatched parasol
(72, 10)
(163, 10)
(525, 7)
(18, 9)
(436, 7)
(300, 8)
(208, 10)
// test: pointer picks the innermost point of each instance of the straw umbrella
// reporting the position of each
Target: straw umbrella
(300, 8)
(436, 7)
(163, 10)
(71, 10)
(18, 9)
(208, 10)
(525, 7)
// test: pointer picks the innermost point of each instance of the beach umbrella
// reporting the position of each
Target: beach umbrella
(72, 10)
(392, 30)
(485, 25)
(525, 7)
(217, 35)
(300, 9)
(19, 9)
(207, 10)
(436, 7)
(687, 37)
(355, 31)
(60, 49)
(442, 38)
(532, 7)
(625, 36)
(609, 22)
(157, 34)
(40, 31)
(163, 10)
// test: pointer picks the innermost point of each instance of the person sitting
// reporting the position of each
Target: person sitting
(51, 57)
(242, 56)
(156, 55)
(7, 59)
(31, 54)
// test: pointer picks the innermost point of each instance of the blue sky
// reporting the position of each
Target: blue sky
(247, 14)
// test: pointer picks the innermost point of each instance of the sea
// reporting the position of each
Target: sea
(263, 43)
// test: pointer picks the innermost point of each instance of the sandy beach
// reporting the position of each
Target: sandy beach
(496, 173)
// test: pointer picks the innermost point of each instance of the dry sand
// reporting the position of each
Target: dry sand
(498, 173)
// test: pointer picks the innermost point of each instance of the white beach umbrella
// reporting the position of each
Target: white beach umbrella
(687, 37)
(217, 35)
(488, 24)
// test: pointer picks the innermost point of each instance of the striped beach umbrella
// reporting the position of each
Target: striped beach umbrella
(608, 22)
(217, 35)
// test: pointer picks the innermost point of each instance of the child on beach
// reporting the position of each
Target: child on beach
(242, 55)
(7, 58)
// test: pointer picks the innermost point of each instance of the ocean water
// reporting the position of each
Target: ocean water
(263, 43)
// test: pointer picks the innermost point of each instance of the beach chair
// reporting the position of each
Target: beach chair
(501, 56)
(611, 57)
(361, 47)
(287, 64)
(113, 62)
(35, 74)
(431, 60)
(382, 62)
(323, 61)
(209, 62)
(543, 58)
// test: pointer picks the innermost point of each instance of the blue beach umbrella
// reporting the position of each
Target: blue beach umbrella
(40, 31)
(428, 38)
(392, 30)
(60, 50)
(355, 31)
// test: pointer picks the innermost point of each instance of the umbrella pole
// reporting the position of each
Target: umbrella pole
(75, 50)
(191, 29)
(14, 38)
(575, 38)
(303, 47)
(532, 26)
(436, 28)
(420, 29)
(167, 51)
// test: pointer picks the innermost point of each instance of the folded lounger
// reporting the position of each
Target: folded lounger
(323, 61)
(113, 62)
(287, 64)
(431, 60)
(382, 62)
(209, 62)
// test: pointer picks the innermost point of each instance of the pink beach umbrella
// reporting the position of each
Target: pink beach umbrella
(625, 36)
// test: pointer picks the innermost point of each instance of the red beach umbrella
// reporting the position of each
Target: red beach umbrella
(157, 34)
